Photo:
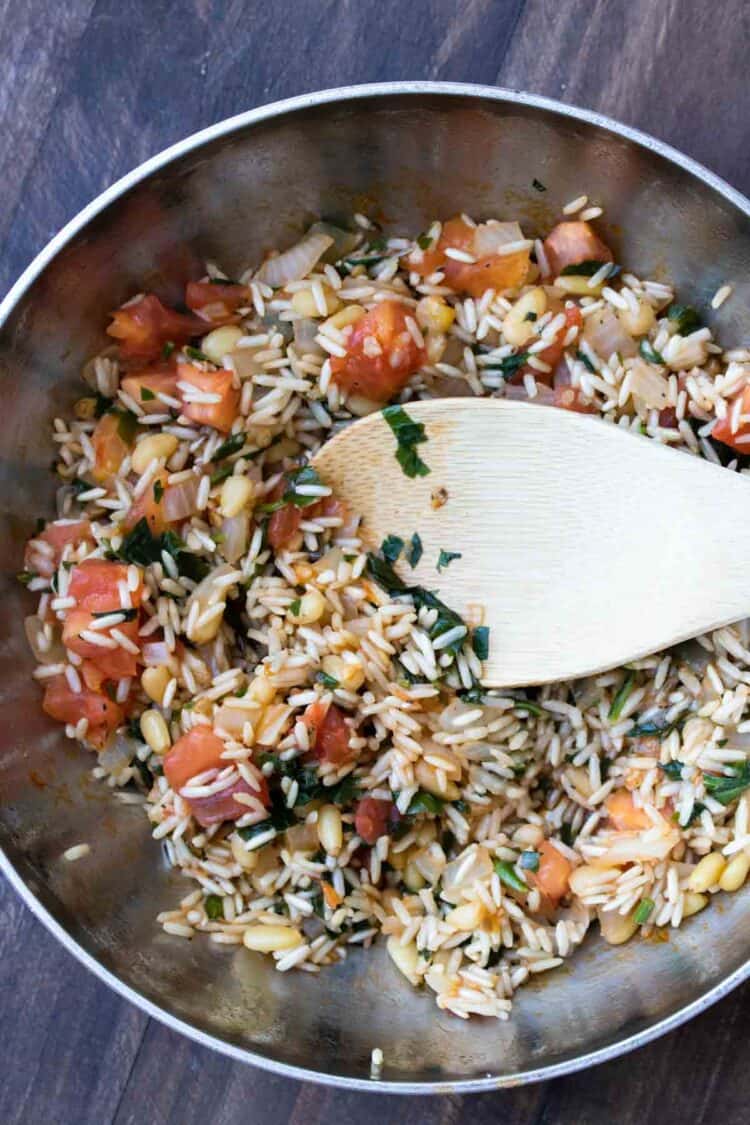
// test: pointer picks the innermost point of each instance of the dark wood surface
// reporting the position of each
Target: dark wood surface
(89, 89)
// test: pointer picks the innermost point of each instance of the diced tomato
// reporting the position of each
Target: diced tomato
(197, 751)
(113, 663)
(67, 706)
(222, 805)
(92, 676)
(219, 414)
(284, 523)
(58, 534)
(94, 585)
(150, 506)
(110, 447)
(552, 354)
(328, 731)
(668, 418)
(371, 819)
(216, 302)
(624, 813)
(722, 431)
(144, 386)
(570, 398)
(553, 873)
(493, 271)
(381, 354)
(146, 325)
(573, 242)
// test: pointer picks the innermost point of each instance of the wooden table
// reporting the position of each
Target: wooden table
(89, 89)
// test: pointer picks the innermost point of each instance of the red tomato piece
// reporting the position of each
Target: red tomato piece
(215, 301)
(222, 805)
(113, 663)
(624, 813)
(94, 585)
(58, 534)
(67, 706)
(552, 354)
(110, 448)
(144, 386)
(220, 414)
(371, 819)
(146, 325)
(573, 242)
(722, 431)
(284, 523)
(553, 875)
(148, 507)
(197, 751)
(493, 271)
(329, 732)
(381, 354)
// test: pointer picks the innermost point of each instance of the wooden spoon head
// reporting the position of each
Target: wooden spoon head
(582, 546)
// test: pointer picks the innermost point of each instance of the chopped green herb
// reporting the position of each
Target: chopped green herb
(306, 475)
(643, 911)
(167, 350)
(102, 406)
(424, 802)
(529, 861)
(326, 680)
(127, 425)
(385, 576)
(424, 242)
(538, 185)
(472, 695)
(621, 697)
(141, 547)
(509, 876)
(416, 550)
(158, 491)
(586, 361)
(480, 642)
(509, 365)
(147, 395)
(214, 907)
(294, 608)
(197, 354)
(527, 705)
(221, 474)
(25, 576)
(127, 614)
(567, 835)
(649, 352)
(391, 548)
(673, 769)
(654, 727)
(685, 318)
(344, 792)
(727, 788)
(531, 316)
(445, 558)
(409, 434)
(695, 812)
(233, 444)
(589, 268)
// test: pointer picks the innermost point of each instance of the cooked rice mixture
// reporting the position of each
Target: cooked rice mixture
(311, 745)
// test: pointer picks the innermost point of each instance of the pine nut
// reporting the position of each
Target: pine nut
(261, 689)
(271, 939)
(221, 342)
(236, 495)
(435, 314)
(616, 928)
(312, 606)
(404, 957)
(707, 872)
(247, 860)
(693, 903)
(350, 674)
(155, 731)
(154, 682)
(413, 878)
(735, 873)
(303, 302)
(518, 324)
(637, 323)
(350, 314)
(468, 916)
(330, 831)
(159, 446)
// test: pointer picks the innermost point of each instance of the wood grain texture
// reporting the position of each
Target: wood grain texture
(88, 89)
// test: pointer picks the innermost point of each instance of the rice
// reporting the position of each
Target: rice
(480, 833)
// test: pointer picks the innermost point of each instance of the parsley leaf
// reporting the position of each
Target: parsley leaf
(127, 425)
(233, 444)
(589, 268)
(508, 875)
(409, 434)
(684, 318)
(586, 362)
(196, 353)
(621, 697)
(147, 395)
(480, 642)
(326, 680)
(649, 352)
(727, 788)
(391, 548)
(305, 475)
(158, 491)
(294, 608)
(445, 558)
(538, 185)
(416, 550)
(214, 907)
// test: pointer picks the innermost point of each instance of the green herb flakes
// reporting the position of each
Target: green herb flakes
(684, 318)
(643, 911)
(424, 802)
(480, 642)
(294, 608)
(586, 361)
(214, 907)
(588, 268)
(232, 445)
(673, 770)
(649, 352)
(416, 550)
(726, 788)
(391, 548)
(158, 491)
(197, 354)
(326, 680)
(147, 395)
(445, 558)
(127, 425)
(509, 876)
(621, 697)
(409, 434)
(167, 349)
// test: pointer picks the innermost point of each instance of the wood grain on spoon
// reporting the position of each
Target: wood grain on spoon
(585, 547)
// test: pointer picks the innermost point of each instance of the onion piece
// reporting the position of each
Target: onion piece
(648, 386)
(604, 333)
(295, 262)
(236, 530)
(34, 629)
(155, 653)
(305, 332)
(118, 754)
(180, 500)
(489, 237)
(344, 241)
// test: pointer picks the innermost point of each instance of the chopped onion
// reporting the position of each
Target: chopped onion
(604, 333)
(180, 500)
(648, 386)
(118, 754)
(34, 628)
(305, 332)
(489, 237)
(155, 653)
(478, 869)
(344, 241)
(235, 530)
(232, 719)
(295, 263)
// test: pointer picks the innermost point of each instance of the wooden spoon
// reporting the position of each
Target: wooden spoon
(582, 547)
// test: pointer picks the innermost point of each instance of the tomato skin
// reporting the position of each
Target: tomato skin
(381, 376)
(67, 706)
(159, 380)
(329, 732)
(93, 583)
(147, 507)
(145, 326)
(58, 534)
(110, 450)
(553, 875)
(624, 814)
(218, 303)
(722, 430)
(573, 242)
(220, 415)
(371, 818)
